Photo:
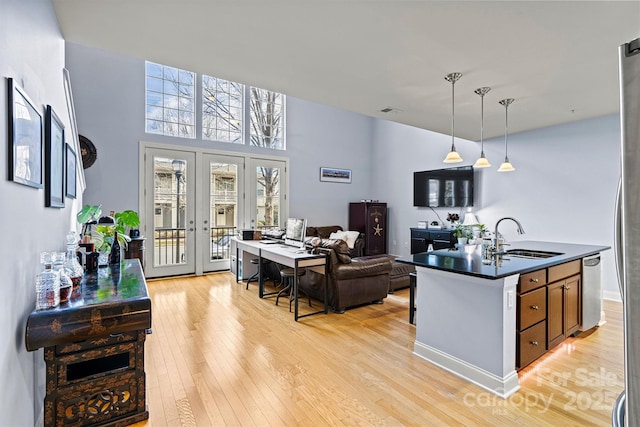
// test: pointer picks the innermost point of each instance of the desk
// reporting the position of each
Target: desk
(288, 256)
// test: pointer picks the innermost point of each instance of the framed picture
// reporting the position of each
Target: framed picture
(54, 151)
(74, 137)
(335, 175)
(25, 138)
(71, 172)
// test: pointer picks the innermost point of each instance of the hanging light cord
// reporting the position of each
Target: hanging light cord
(482, 124)
(453, 113)
(506, 129)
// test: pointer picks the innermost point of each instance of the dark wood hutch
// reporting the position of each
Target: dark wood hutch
(94, 349)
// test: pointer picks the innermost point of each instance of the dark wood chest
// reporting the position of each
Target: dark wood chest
(94, 350)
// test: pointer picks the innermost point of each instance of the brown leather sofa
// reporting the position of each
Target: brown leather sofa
(351, 281)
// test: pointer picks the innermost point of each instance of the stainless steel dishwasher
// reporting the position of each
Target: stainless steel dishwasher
(591, 292)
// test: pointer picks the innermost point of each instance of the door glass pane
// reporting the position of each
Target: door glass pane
(223, 207)
(170, 201)
(267, 196)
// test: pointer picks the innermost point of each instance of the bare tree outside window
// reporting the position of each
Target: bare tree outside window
(222, 110)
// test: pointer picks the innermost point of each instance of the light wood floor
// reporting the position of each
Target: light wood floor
(220, 356)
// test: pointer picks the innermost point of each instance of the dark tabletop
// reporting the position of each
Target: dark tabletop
(112, 300)
(468, 259)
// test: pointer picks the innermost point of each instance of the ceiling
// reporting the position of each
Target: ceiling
(557, 59)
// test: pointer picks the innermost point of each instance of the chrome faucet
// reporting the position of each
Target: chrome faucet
(497, 247)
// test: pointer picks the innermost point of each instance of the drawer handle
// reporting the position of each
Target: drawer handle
(534, 343)
(533, 280)
(116, 335)
(534, 307)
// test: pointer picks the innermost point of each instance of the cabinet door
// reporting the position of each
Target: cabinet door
(571, 305)
(555, 314)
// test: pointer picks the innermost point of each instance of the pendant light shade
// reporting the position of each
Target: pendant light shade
(453, 156)
(506, 166)
(482, 161)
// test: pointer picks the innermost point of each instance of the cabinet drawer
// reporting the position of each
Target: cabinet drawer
(440, 235)
(531, 344)
(419, 234)
(530, 281)
(561, 271)
(532, 307)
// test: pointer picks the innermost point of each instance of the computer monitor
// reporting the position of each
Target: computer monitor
(296, 230)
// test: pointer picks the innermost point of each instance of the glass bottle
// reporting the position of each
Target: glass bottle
(66, 285)
(114, 256)
(72, 267)
(47, 284)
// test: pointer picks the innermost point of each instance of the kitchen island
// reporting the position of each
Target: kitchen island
(467, 306)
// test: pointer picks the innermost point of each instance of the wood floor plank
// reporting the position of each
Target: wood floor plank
(219, 355)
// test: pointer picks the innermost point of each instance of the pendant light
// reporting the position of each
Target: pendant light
(453, 156)
(506, 165)
(482, 161)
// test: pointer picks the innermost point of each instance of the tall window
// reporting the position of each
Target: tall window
(170, 101)
(170, 109)
(267, 119)
(221, 110)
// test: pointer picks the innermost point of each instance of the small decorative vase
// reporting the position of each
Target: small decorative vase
(462, 241)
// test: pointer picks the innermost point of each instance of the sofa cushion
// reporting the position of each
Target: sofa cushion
(364, 267)
(325, 231)
(311, 232)
(348, 236)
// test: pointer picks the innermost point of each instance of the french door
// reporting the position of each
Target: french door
(193, 202)
(223, 180)
(169, 212)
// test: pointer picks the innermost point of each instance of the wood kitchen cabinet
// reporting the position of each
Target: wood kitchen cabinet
(548, 309)
(563, 305)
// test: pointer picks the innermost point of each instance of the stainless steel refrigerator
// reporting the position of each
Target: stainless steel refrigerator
(627, 408)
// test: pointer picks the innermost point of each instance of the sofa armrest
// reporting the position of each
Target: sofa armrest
(362, 267)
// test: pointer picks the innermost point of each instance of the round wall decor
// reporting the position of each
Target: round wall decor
(88, 151)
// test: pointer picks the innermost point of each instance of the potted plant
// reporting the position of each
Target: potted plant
(461, 232)
(103, 235)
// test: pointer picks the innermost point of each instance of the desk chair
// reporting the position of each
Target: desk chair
(255, 277)
(287, 276)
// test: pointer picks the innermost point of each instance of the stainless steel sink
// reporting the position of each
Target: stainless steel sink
(526, 253)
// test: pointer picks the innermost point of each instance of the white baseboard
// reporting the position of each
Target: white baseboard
(612, 296)
(502, 387)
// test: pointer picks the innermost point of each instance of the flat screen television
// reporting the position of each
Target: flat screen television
(295, 232)
(444, 188)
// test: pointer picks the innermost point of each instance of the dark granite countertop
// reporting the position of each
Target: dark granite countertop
(468, 259)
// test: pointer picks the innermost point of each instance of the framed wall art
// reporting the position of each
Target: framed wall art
(75, 142)
(25, 138)
(54, 152)
(335, 175)
(71, 172)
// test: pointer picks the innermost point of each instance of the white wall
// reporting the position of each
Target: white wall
(563, 188)
(109, 93)
(32, 52)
